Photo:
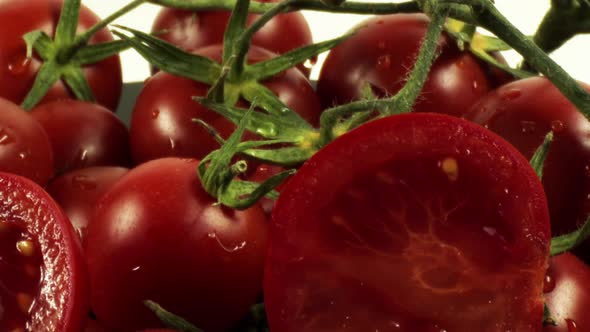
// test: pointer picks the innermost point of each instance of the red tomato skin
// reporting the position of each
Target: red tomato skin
(78, 192)
(569, 296)
(523, 112)
(382, 53)
(315, 273)
(193, 30)
(161, 122)
(25, 148)
(20, 17)
(63, 301)
(83, 134)
(157, 235)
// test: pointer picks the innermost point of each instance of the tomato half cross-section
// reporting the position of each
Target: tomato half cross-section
(416, 222)
(43, 277)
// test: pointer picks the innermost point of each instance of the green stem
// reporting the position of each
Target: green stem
(243, 43)
(82, 39)
(350, 7)
(404, 100)
(491, 19)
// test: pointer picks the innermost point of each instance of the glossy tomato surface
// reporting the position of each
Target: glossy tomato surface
(78, 192)
(523, 112)
(18, 74)
(42, 272)
(567, 294)
(418, 222)
(157, 235)
(382, 53)
(193, 30)
(161, 122)
(25, 148)
(83, 134)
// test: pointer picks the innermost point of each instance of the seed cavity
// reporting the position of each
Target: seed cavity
(24, 302)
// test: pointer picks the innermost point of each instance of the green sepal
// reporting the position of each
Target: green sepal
(548, 320)
(241, 195)
(538, 159)
(254, 321)
(266, 69)
(265, 125)
(68, 22)
(49, 73)
(170, 58)
(567, 242)
(169, 319)
(235, 28)
(289, 156)
(264, 98)
(40, 42)
(94, 53)
(76, 81)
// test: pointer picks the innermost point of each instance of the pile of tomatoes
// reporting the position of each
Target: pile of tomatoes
(433, 220)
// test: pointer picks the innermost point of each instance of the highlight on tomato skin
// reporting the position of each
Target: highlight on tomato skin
(411, 222)
(567, 294)
(43, 273)
(523, 112)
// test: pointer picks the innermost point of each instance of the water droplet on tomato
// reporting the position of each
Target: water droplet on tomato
(510, 94)
(84, 182)
(572, 326)
(475, 85)
(19, 66)
(5, 136)
(82, 156)
(155, 114)
(285, 110)
(23, 155)
(528, 127)
(268, 131)
(557, 126)
(135, 269)
(384, 62)
(548, 284)
(225, 247)
(172, 143)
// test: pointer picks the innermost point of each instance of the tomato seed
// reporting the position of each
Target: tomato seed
(26, 248)
(451, 168)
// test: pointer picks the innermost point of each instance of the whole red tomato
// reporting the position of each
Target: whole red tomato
(161, 122)
(382, 53)
(25, 148)
(567, 294)
(157, 235)
(18, 73)
(78, 192)
(415, 222)
(523, 112)
(83, 134)
(191, 30)
(43, 277)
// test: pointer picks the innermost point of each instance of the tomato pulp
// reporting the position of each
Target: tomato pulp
(415, 222)
(43, 278)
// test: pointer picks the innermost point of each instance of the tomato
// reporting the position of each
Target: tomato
(415, 222)
(18, 73)
(193, 30)
(78, 192)
(383, 51)
(523, 112)
(83, 134)
(157, 235)
(567, 294)
(161, 122)
(42, 271)
(24, 146)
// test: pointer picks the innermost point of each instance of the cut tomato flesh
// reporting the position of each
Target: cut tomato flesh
(20, 271)
(411, 223)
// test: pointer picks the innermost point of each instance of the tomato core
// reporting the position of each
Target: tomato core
(20, 273)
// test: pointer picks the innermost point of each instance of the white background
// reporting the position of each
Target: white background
(525, 14)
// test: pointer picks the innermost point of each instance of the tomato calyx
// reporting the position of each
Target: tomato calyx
(169, 319)
(65, 55)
